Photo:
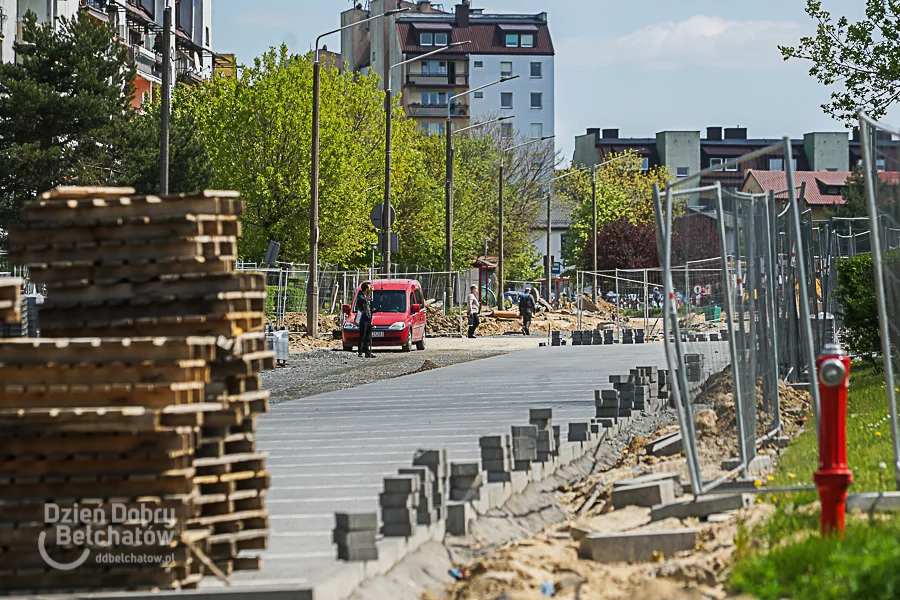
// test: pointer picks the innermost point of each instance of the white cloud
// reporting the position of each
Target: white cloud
(698, 41)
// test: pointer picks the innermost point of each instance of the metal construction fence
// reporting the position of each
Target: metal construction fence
(765, 307)
(881, 169)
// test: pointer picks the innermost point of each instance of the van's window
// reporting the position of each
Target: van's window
(412, 299)
(389, 301)
(421, 298)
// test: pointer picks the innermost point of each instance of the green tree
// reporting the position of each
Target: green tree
(854, 195)
(863, 56)
(64, 106)
(624, 192)
(190, 168)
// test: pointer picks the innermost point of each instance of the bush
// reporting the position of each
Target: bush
(856, 295)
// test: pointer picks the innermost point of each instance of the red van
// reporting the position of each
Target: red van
(398, 315)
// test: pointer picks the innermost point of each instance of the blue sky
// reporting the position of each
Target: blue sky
(641, 67)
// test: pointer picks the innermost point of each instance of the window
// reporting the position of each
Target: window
(682, 171)
(645, 163)
(833, 190)
(434, 98)
(527, 40)
(731, 168)
(505, 69)
(207, 37)
(506, 100)
(440, 39)
(880, 165)
(537, 130)
(512, 40)
(716, 162)
(536, 70)
(426, 39)
(537, 100)
(479, 94)
(776, 164)
(478, 64)
(434, 67)
(412, 299)
(433, 128)
(506, 130)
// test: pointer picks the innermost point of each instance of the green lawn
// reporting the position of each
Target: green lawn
(786, 558)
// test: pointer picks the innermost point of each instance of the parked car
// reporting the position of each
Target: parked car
(398, 316)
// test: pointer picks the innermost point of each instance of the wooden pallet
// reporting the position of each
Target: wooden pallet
(231, 386)
(151, 395)
(51, 444)
(86, 292)
(220, 444)
(55, 316)
(167, 483)
(99, 350)
(244, 365)
(84, 227)
(227, 325)
(80, 273)
(63, 204)
(113, 253)
(105, 373)
(33, 510)
(115, 419)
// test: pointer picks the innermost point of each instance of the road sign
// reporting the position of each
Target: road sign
(378, 212)
(556, 269)
(698, 289)
(395, 243)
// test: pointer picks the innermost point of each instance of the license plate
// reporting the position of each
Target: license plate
(376, 334)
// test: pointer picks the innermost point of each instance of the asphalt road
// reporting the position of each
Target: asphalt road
(329, 452)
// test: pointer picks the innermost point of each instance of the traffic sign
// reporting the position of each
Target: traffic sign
(556, 269)
(395, 243)
(378, 212)
(698, 289)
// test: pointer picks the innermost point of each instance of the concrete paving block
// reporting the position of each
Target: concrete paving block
(645, 494)
(666, 446)
(503, 464)
(427, 518)
(459, 516)
(466, 482)
(879, 502)
(464, 469)
(498, 476)
(356, 539)
(648, 478)
(357, 554)
(540, 414)
(636, 546)
(425, 475)
(436, 460)
(493, 441)
(519, 431)
(523, 465)
(401, 484)
(356, 521)
(398, 500)
(398, 515)
(493, 453)
(399, 529)
(607, 413)
(465, 495)
(700, 507)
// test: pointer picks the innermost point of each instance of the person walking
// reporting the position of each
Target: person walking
(527, 306)
(473, 307)
(364, 319)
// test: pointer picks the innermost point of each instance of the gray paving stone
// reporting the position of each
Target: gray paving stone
(700, 507)
(645, 494)
(637, 546)
(356, 521)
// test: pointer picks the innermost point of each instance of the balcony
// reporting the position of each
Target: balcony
(438, 110)
(145, 62)
(97, 9)
(438, 80)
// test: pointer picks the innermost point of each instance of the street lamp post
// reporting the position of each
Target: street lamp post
(388, 117)
(500, 272)
(448, 184)
(312, 296)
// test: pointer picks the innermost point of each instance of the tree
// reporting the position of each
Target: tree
(624, 192)
(64, 106)
(624, 244)
(854, 195)
(863, 56)
(190, 168)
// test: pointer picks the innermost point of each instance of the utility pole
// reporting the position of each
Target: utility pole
(166, 100)
(500, 290)
(386, 207)
(593, 231)
(448, 208)
(549, 258)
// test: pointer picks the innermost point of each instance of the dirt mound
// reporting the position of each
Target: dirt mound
(296, 322)
(427, 366)
(439, 323)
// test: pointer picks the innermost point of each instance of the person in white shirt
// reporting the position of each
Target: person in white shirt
(473, 307)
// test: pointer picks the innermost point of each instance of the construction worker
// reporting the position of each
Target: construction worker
(527, 306)
(364, 319)
(473, 307)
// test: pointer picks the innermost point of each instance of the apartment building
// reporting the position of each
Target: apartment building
(500, 45)
(138, 25)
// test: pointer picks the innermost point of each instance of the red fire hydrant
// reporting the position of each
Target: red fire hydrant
(833, 477)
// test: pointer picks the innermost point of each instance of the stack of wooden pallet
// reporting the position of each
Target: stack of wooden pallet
(117, 265)
(100, 425)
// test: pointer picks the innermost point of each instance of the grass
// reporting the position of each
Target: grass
(785, 557)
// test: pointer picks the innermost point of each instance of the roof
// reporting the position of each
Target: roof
(484, 38)
(560, 215)
(487, 262)
(817, 184)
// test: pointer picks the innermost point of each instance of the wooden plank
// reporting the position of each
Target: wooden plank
(71, 396)
(72, 191)
(245, 365)
(90, 229)
(178, 483)
(95, 466)
(57, 315)
(82, 272)
(137, 445)
(215, 325)
(108, 373)
(33, 511)
(114, 253)
(98, 350)
(88, 292)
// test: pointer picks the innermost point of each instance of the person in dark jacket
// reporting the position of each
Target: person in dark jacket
(527, 307)
(364, 319)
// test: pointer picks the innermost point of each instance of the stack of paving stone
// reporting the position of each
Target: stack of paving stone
(102, 424)
(628, 335)
(576, 337)
(609, 336)
(694, 364)
(596, 337)
(436, 462)
(646, 389)
(120, 266)
(555, 338)
(355, 535)
(524, 446)
(582, 432)
(496, 457)
(624, 384)
(9, 300)
(638, 336)
(399, 502)
(606, 403)
(547, 436)
(714, 337)
(425, 512)
(465, 482)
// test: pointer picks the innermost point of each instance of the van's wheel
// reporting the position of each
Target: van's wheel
(407, 346)
(421, 345)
